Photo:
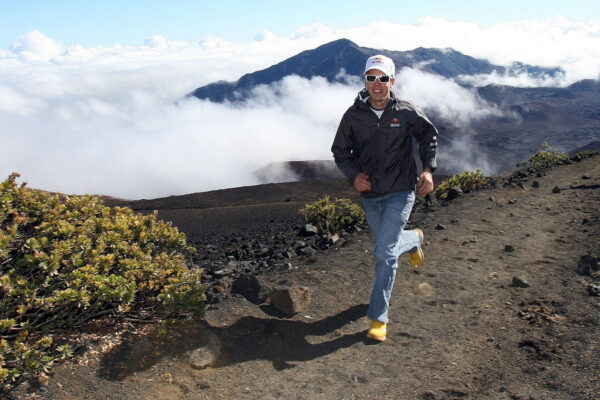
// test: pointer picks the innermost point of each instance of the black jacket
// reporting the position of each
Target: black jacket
(382, 148)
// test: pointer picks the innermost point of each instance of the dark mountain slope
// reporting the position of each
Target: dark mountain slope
(331, 58)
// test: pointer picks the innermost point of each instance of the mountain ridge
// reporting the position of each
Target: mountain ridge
(344, 55)
(521, 119)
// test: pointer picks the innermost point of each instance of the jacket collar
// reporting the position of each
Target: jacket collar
(363, 95)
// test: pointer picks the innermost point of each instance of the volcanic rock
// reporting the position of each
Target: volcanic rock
(519, 281)
(290, 298)
(251, 288)
(307, 251)
(207, 355)
(308, 230)
(453, 193)
(588, 265)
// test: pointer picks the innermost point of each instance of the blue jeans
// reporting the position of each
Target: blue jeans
(387, 215)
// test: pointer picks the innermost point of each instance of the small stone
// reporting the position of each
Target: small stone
(535, 184)
(307, 251)
(492, 198)
(588, 265)
(333, 239)
(202, 358)
(440, 227)
(284, 266)
(308, 230)
(289, 253)
(512, 201)
(203, 384)
(207, 355)
(555, 189)
(519, 281)
(509, 248)
(424, 290)
(594, 290)
(454, 193)
(299, 244)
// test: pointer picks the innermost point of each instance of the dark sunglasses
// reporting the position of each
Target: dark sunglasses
(381, 78)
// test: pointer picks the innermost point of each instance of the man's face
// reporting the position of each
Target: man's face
(379, 92)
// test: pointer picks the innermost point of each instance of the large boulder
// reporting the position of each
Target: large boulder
(251, 288)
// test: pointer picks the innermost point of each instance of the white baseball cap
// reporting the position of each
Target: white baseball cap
(381, 63)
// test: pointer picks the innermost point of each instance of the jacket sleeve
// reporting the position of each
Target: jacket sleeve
(426, 135)
(343, 151)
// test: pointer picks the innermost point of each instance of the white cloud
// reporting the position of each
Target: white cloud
(111, 120)
(141, 145)
(157, 41)
(574, 46)
(442, 96)
(315, 30)
(37, 46)
(522, 79)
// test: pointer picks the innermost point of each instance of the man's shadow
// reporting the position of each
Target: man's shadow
(250, 338)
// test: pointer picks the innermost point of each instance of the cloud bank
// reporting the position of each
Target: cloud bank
(113, 120)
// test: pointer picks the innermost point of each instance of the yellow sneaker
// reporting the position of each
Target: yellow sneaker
(416, 259)
(378, 331)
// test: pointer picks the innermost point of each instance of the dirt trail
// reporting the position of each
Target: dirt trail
(459, 329)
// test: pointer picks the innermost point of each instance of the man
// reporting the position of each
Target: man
(373, 148)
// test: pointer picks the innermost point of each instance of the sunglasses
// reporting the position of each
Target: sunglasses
(381, 78)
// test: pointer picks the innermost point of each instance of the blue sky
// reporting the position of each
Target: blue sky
(107, 22)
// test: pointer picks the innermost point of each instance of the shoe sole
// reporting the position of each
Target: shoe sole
(421, 236)
(377, 338)
(416, 267)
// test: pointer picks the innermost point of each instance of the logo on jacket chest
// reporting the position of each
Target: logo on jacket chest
(395, 123)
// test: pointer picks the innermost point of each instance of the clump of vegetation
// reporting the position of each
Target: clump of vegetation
(547, 157)
(333, 216)
(587, 153)
(466, 181)
(65, 261)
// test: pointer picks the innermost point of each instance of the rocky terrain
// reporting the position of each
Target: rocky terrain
(505, 307)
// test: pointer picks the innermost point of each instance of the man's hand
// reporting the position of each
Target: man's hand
(361, 182)
(425, 184)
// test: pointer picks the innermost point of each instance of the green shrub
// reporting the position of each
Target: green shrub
(66, 261)
(547, 157)
(586, 153)
(332, 217)
(466, 181)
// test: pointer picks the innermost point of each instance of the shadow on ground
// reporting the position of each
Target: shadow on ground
(280, 341)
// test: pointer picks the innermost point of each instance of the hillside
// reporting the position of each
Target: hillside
(461, 328)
